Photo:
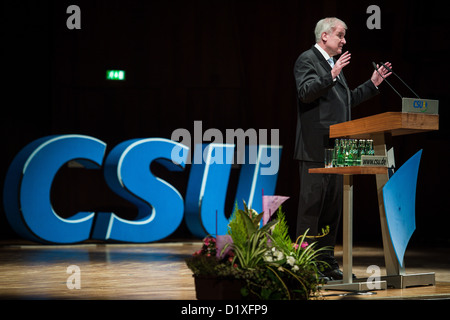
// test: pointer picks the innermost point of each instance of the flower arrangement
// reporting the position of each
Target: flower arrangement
(267, 264)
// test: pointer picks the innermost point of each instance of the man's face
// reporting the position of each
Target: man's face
(334, 41)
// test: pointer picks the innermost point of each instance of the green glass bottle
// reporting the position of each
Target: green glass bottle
(355, 152)
(371, 150)
(351, 153)
(335, 153)
(361, 150)
(340, 157)
(347, 153)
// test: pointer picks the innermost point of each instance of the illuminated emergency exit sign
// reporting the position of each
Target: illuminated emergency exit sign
(115, 75)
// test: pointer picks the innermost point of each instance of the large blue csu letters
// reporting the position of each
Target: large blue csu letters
(28, 183)
(208, 184)
(160, 205)
(127, 172)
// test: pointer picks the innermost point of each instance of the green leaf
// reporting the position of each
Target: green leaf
(257, 219)
(247, 222)
(244, 291)
(267, 226)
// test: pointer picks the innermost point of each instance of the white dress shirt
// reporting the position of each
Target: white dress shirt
(325, 55)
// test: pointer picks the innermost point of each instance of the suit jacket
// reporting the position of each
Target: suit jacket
(321, 103)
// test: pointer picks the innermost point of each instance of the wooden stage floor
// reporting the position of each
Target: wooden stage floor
(158, 272)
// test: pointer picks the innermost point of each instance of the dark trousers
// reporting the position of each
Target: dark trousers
(320, 205)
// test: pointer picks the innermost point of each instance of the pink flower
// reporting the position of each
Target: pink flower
(303, 245)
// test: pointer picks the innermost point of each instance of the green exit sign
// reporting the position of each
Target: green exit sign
(115, 75)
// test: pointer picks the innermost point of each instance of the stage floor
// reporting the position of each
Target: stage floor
(158, 272)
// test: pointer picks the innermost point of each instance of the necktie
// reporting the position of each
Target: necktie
(331, 62)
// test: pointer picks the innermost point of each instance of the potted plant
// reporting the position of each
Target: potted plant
(256, 261)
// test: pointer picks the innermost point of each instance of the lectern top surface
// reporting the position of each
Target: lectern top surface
(395, 123)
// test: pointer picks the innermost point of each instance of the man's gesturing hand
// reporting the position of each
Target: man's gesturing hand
(376, 78)
(340, 63)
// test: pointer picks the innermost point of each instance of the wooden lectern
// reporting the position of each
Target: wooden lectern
(380, 128)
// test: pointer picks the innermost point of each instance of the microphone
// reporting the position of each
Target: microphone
(376, 69)
(390, 70)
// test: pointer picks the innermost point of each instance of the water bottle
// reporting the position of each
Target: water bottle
(349, 161)
(335, 153)
(361, 150)
(341, 151)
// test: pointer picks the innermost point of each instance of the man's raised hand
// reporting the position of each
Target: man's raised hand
(343, 60)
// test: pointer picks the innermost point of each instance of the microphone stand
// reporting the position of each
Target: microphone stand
(390, 70)
(376, 69)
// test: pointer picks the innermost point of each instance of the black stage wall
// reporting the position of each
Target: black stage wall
(226, 63)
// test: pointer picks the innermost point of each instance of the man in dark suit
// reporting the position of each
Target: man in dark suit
(324, 98)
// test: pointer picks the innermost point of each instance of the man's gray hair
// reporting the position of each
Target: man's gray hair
(327, 25)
